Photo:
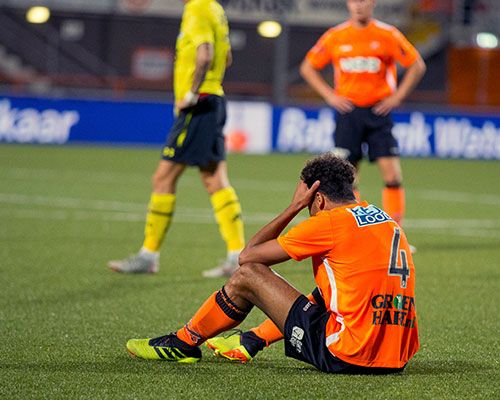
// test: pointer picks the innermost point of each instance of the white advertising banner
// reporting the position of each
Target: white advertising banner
(249, 127)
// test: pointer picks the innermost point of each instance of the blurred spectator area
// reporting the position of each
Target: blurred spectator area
(132, 55)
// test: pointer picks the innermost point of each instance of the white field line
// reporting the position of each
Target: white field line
(115, 211)
(180, 218)
(280, 186)
(459, 197)
(106, 210)
(113, 177)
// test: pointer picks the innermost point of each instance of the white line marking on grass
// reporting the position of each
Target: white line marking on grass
(459, 197)
(112, 206)
(135, 178)
(243, 184)
(252, 219)
(117, 211)
(181, 216)
(437, 223)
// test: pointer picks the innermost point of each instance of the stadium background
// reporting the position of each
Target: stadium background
(115, 58)
(85, 102)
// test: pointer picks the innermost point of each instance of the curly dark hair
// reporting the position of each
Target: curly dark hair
(335, 174)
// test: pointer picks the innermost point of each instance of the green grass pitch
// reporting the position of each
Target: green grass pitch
(65, 318)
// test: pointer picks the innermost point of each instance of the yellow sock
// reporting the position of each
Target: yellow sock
(227, 210)
(160, 213)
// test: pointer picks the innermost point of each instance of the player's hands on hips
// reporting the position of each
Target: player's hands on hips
(385, 106)
(304, 195)
(342, 104)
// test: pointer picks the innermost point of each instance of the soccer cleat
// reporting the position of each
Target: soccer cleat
(165, 348)
(140, 263)
(229, 348)
(225, 270)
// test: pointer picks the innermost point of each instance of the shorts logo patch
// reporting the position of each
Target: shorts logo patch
(307, 306)
(370, 215)
(296, 339)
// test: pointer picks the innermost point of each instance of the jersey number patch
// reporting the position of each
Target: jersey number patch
(394, 269)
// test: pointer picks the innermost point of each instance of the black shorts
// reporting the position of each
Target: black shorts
(196, 137)
(305, 340)
(363, 126)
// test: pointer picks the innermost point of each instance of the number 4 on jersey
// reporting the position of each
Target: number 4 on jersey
(394, 269)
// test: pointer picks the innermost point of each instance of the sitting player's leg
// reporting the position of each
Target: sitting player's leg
(245, 346)
(159, 217)
(227, 211)
(223, 310)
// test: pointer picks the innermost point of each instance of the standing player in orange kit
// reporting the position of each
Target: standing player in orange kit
(362, 316)
(364, 52)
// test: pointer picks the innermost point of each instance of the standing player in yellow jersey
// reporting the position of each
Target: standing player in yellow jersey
(362, 316)
(202, 54)
(364, 53)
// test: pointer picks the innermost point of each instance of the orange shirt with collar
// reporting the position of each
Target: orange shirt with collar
(363, 59)
(363, 267)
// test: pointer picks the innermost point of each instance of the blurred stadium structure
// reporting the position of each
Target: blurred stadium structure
(124, 48)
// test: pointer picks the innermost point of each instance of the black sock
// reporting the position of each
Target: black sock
(252, 343)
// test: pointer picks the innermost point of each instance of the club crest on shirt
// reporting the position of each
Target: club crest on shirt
(369, 215)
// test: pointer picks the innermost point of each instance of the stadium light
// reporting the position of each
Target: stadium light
(269, 29)
(486, 40)
(37, 15)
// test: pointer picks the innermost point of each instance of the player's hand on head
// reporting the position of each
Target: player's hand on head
(303, 194)
(342, 104)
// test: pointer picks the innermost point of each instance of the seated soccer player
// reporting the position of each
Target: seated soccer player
(362, 316)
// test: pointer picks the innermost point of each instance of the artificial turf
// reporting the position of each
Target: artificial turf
(65, 318)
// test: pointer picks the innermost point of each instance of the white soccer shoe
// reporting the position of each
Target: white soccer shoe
(225, 270)
(140, 263)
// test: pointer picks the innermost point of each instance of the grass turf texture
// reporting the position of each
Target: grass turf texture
(65, 318)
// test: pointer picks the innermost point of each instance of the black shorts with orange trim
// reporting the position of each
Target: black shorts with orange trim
(305, 339)
(196, 137)
(360, 128)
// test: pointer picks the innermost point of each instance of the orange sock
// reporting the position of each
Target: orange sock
(216, 315)
(268, 331)
(393, 202)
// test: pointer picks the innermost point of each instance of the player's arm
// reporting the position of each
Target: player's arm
(412, 76)
(314, 78)
(263, 247)
(204, 58)
(229, 58)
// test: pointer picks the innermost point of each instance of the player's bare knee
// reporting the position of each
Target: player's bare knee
(244, 277)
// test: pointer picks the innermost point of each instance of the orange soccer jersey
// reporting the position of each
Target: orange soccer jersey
(364, 269)
(364, 59)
